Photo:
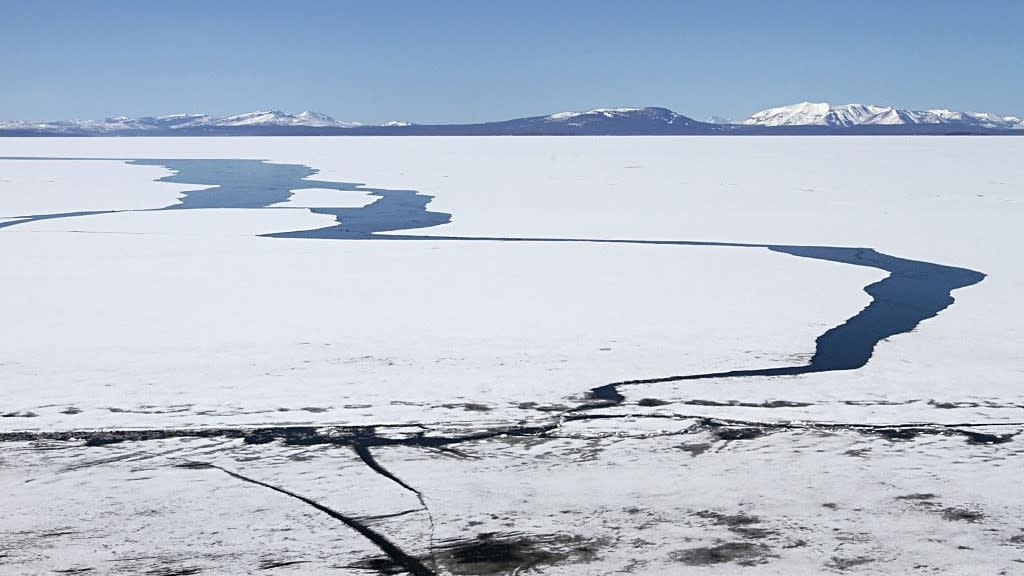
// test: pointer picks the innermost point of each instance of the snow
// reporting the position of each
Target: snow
(188, 318)
(606, 112)
(802, 114)
(796, 502)
(326, 198)
(291, 324)
(824, 114)
(274, 118)
(114, 124)
(942, 200)
(44, 187)
(182, 121)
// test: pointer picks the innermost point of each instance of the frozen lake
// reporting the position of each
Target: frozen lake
(696, 352)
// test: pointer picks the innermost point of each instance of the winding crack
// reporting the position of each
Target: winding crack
(363, 451)
(410, 563)
(913, 291)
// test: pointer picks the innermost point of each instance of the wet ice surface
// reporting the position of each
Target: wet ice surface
(634, 496)
(492, 467)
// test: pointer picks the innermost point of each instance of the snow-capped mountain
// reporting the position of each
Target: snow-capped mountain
(719, 120)
(109, 125)
(805, 118)
(646, 120)
(977, 118)
(278, 118)
(849, 115)
(273, 122)
(605, 116)
(179, 123)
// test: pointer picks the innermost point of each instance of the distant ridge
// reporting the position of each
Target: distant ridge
(176, 123)
(805, 118)
(849, 115)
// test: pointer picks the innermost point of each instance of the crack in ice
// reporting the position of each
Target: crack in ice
(410, 563)
(363, 451)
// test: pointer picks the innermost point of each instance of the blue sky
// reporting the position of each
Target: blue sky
(474, 60)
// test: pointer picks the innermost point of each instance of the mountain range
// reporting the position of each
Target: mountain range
(849, 115)
(802, 118)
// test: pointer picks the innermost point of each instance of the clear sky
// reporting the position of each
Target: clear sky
(474, 60)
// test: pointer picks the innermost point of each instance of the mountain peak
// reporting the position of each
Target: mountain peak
(279, 118)
(848, 115)
(615, 112)
(315, 116)
(616, 119)
(819, 117)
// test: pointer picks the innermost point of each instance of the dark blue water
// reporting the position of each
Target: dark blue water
(913, 292)
(256, 184)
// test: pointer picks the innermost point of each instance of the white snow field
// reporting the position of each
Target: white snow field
(436, 391)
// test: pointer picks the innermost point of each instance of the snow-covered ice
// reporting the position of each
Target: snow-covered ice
(156, 324)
